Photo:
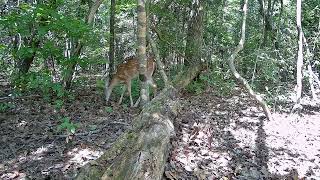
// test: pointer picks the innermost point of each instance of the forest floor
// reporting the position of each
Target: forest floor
(216, 137)
(229, 138)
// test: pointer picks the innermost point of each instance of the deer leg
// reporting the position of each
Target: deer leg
(121, 97)
(108, 90)
(108, 93)
(137, 102)
(129, 91)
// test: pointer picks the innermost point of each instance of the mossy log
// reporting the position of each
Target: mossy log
(141, 153)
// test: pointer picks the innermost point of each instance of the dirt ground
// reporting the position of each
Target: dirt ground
(229, 138)
(32, 146)
(216, 137)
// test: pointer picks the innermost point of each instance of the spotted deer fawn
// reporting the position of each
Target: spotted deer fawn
(128, 71)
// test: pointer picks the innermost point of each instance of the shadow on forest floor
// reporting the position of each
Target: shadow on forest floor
(216, 137)
(219, 137)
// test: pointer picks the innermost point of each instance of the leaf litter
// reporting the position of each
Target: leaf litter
(229, 138)
(216, 138)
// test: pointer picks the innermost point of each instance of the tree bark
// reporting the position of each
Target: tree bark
(141, 32)
(310, 72)
(112, 36)
(195, 33)
(141, 153)
(235, 73)
(109, 69)
(25, 63)
(267, 21)
(299, 57)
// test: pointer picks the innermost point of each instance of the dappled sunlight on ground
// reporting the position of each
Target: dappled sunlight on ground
(35, 156)
(197, 148)
(32, 146)
(75, 158)
(80, 157)
(220, 138)
(295, 143)
(216, 137)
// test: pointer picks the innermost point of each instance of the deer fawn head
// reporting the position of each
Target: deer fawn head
(128, 71)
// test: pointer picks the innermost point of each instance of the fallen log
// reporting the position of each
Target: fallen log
(141, 153)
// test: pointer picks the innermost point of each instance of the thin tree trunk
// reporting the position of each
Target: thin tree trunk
(112, 36)
(107, 82)
(310, 72)
(25, 63)
(263, 14)
(299, 57)
(268, 24)
(109, 69)
(141, 32)
(77, 51)
(280, 26)
(157, 56)
(155, 51)
(267, 21)
(238, 77)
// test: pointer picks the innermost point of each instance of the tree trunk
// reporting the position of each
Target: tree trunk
(299, 57)
(112, 36)
(141, 32)
(195, 33)
(310, 72)
(109, 69)
(25, 63)
(141, 153)
(79, 46)
(267, 21)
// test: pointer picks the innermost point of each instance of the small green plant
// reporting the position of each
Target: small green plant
(100, 84)
(108, 109)
(4, 107)
(67, 125)
(196, 87)
(40, 82)
(125, 106)
(80, 81)
(218, 79)
(58, 104)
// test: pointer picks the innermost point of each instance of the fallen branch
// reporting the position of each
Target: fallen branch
(8, 98)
